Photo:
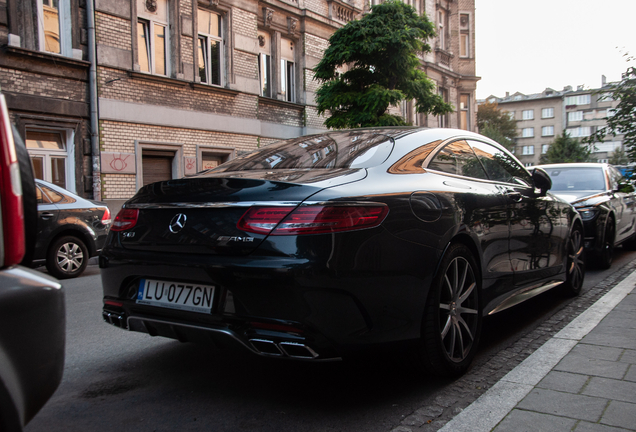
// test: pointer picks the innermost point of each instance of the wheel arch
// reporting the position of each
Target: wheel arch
(465, 239)
(74, 232)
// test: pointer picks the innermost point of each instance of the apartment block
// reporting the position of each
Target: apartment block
(542, 117)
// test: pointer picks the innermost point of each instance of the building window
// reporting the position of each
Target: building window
(210, 47)
(287, 70)
(528, 150)
(443, 119)
(547, 113)
(527, 115)
(54, 27)
(464, 111)
(49, 153)
(511, 115)
(528, 164)
(582, 131)
(575, 116)
(265, 63)
(527, 132)
(152, 37)
(464, 35)
(441, 28)
(578, 100)
(547, 131)
(544, 148)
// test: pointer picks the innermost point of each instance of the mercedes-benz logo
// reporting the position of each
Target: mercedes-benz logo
(177, 223)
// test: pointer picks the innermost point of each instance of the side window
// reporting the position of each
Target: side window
(265, 63)
(40, 197)
(210, 47)
(54, 26)
(52, 195)
(499, 165)
(458, 158)
(152, 37)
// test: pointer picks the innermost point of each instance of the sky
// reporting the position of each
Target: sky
(527, 46)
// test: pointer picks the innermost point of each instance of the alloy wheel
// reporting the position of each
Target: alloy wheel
(458, 310)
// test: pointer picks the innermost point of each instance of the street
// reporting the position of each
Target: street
(118, 380)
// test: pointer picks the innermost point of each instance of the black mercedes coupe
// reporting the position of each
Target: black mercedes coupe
(323, 246)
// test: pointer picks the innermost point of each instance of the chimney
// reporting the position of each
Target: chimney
(507, 94)
(603, 80)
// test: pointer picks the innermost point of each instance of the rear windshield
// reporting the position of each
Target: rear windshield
(577, 179)
(352, 149)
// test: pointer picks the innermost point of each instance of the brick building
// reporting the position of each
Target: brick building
(183, 85)
(542, 117)
(44, 75)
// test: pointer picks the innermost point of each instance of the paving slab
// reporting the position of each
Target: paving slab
(611, 389)
(576, 363)
(564, 404)
(629, 356)
(564, 382)
(612, 337)
(596, 427)
(620, 414)
(527, 421)
(598, 352)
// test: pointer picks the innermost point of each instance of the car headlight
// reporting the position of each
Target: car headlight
(588, 213)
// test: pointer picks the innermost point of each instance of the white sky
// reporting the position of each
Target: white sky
(529, 45)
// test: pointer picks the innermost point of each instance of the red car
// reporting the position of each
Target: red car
(32, 311)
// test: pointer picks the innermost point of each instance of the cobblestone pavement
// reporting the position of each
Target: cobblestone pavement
(439, 410)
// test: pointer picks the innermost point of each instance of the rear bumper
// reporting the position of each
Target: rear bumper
(273, 306)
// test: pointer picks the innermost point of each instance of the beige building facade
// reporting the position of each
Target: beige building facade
(542, 117)
(135, 91)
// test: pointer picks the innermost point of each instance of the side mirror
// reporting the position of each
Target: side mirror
(542, 180)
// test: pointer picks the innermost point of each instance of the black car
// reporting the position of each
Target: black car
(32, 311)
(606, 201)
(70, 230)
(319, 247)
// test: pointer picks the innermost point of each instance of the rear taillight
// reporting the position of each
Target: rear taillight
(125, 220)
(106, 217)
(11, 193)
(311, 219)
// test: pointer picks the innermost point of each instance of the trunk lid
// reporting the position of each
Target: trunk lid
(199, 215)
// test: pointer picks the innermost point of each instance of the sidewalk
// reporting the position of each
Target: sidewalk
(581, 380)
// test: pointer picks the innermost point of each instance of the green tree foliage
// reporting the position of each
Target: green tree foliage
(566, 149)
(618, 157)
(623, 120)
(496, 124)
(381, 51)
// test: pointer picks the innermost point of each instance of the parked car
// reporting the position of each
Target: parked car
(32, 311)
(321, 246)
(70, 230)
(606, 201)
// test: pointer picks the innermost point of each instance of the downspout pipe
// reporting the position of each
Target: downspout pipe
(92, 85)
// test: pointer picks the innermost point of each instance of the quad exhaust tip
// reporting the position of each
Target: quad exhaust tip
(283, 349)
(115, 319)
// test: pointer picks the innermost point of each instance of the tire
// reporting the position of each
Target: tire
(67, 257)
(575, 264)
(452, 318)
(606, 255)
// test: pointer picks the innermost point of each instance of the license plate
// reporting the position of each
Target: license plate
(176, 295)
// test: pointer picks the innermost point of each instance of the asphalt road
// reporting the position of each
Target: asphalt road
(118, 381)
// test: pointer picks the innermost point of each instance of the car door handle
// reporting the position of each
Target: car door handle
(46, 215)
(515, 196)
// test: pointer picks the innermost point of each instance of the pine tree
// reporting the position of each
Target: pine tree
(381, 52)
